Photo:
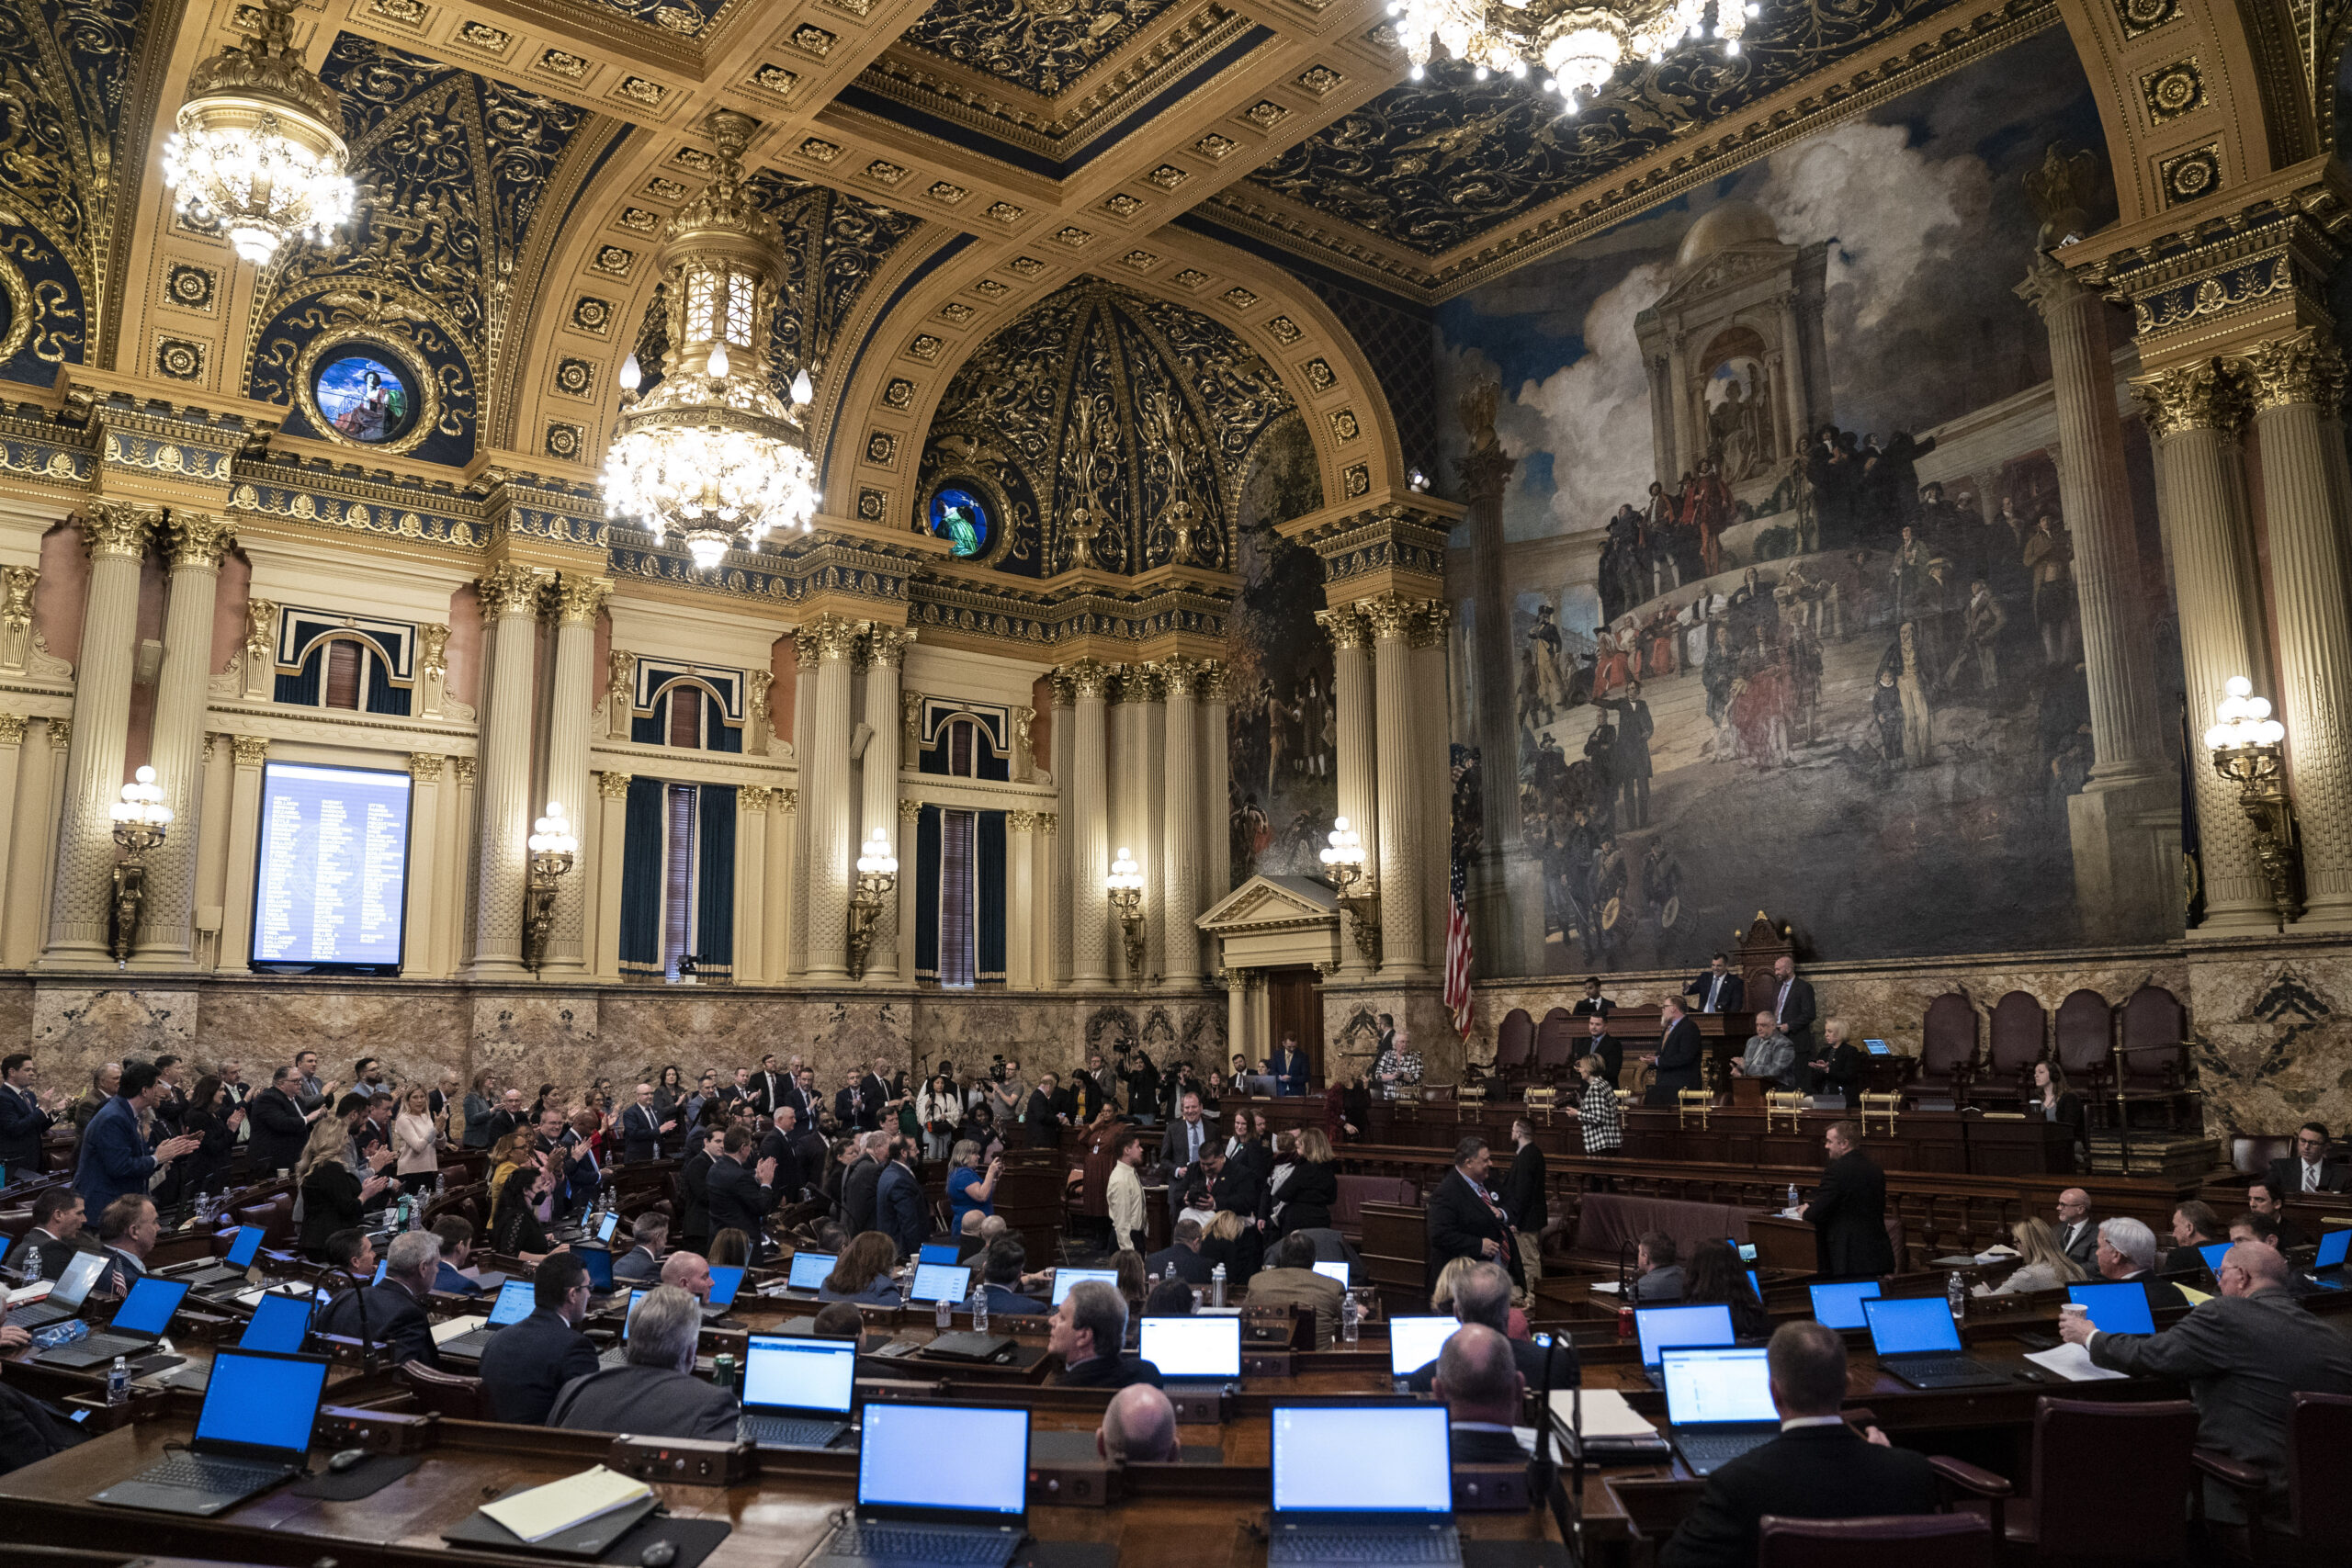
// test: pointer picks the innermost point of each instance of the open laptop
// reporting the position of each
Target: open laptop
(231, 1267)
(278, 1326)
(1718, 1405)
(1067, 1279)
(797, 1391)
(2212, 1252)
(618, 1355)
(1334, 1268)
(911, 1509)
(1839, 1305)
(810, 1270)
(939, 1252)
(1664, 1328)
(253, 1433)
(935, 1282)
(726, 1279)
(65, 1297)
(516, 1298)
(598, 1261)
(1414, 1342)
(2116, 1308)
(137, 1324)
(1194, 1355)
(1917, 1342)
(2327, 1266)
(1357, 1483)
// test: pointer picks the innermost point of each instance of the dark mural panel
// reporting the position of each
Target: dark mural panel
(1283, 728)
(1794, 612)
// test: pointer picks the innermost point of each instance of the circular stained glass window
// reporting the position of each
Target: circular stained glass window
(366, 396)
(961, 517)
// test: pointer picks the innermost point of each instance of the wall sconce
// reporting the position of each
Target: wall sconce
(552, 848)
(1124, 886)
(1342, 869)
(140, 822)
(878, 878)
(2246, 748)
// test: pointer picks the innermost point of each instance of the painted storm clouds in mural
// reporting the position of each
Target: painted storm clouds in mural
(1797, 618)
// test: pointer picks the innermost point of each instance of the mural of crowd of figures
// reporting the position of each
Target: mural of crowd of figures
(1794, 621)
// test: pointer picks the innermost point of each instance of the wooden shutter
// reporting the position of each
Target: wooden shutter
(342, 674)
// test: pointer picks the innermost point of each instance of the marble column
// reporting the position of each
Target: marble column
(1217, 787)
(1237, 1011)
(1090, 845)
(2298, 387)
(1020, 900)
(13, 728)
(195, 542)
(1179, 869)
(248, 753)
(751, 889)
(2123, 885)
(1060, 965)
(422, 896)
(2195, 415)
(824, 796)
(1506, 885)
(804, 702)
(1434, 833)
(212, 863)
(1394, 694)
(783, 819)
(909, 817)
(116, 535)
(510, 605)
(459, 866)
(573, 606)
(1045, 880)
(886, 651)
(1144, 773)
(1359, 788)
(612, 841)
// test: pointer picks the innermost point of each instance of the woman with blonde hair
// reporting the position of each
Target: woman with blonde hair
(334, 1197)
(1306, 1198)
(2043, 1265)
(519, 1177)
(1442, 1294)
(415, 1140)
(1234, 1242)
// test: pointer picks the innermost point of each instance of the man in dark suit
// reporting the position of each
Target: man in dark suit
(1818, 1467)
(1480, 1386)
(1463, 1218)
(280, 1128)
(2309, 1169)
(1182, 1255)
(1217, 1183)
(783, 1145)
(2245, 1355)
(1792, 1003)
(642, 1261)
(1482, 1296)
(393, 1312)
(642, 1128)
(26, 1115)
(656, 1395)
(1678, 1057)
(1848, 1211)
(2077, 1237)
(56, 1235)
(128, 1231)
(1087, 1332)
(1290, 1067)
(1592, 1004)
(2127, 1255)
(525, 1364)
(1599, 1042)
(1523, 1200)
(900, 1212)
(860, 1184)
(852, 1108)
(767, 1087)
(1716, 987)
(2266, 1198)
(801, 1100)
(737, 1095)
(881, 1099)
(739, 1197)
(1041, 1118)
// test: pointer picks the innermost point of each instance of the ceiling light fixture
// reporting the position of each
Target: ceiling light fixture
(1578, 43)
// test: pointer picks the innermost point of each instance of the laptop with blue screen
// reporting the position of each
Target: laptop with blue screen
(1839, 1306)
(279, 1324)
(1718, 1405)
(2327, 1268)
(939, 1252)
(598, 1261)
(1362, 1484)
(137, 1324)
(2212, 1252)
(1663, 1328)
(726, 1279)
(516, 1298)
(911, 1509)
(1917, 1342)
(253, 1433)
(797, 1391)
(231, 1269)
(618, 1355)
(2121, 1308)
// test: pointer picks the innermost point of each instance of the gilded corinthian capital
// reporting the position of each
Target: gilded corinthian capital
(509, 590)
(2207, 395)
(120, 528)
(1391, 615)
(1089, 679)
(2300, 368)
(577, 598)
(198, 539)
(887, 645)
(832, 637)
(1344, 626)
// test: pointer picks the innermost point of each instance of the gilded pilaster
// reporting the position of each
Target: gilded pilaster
(194, 542)
(885, 661)
(1391, 616)
(509, 600)
(824, 783)
(1359, 795)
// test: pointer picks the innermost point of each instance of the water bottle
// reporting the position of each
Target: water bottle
(118, 1382)
(1350, 1316)
(945, 1315)
(980, 1309)
(1956, 1293)
(1216, 1286)
(1793, 1198)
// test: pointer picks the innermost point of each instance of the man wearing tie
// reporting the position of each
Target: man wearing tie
(1793, 1005)
(2077, 1237)
(1180, 1147)
(1290, 1067)
(1592, 1004)
(642, 1127)
(1679, 1051)
(1717, 988)
(1599, 1042)
(2308, 1170)
(26, 1116)
(767, 1086)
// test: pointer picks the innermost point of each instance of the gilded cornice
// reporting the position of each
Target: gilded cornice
(1395, 547)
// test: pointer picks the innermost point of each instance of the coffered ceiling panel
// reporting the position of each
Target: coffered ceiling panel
(1043, 46)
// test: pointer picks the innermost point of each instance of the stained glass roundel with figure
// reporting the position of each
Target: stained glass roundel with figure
(961, 517)
(367, 396)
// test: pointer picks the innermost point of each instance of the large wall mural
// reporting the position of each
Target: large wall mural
(1282, 726)
(1794, 617)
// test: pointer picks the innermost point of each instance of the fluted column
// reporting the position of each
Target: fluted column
(1143, 777)
(1090, 844)
(1020, 900)
(247, 752)
(1179, 860)
(1216, 785)
(573, 606)
(611, 842)
(910, 816)
(1057, 967)
(422, 894)
(1358, 790)
(458, 863)
(38, 769)
(212, 849)
(803, 706)
(194, 542)
(1391, 616)
(886, 649)
(2195, 415)
(2297, 385)
(510, 602)
(751, 887)
(13, 730)
(784, 817)
(116, 535)
(824, 796)
(1434, 830)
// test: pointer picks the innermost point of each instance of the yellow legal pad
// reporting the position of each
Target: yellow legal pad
(549, 1510)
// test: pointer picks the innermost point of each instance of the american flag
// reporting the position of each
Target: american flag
(1458, 955)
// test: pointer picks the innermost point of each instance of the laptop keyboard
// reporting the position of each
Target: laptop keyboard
(789, 1431)
(1944, 1367)
(103, 1346)
(920, 1543)
(1379, 1546)
(1712, 1451)
(472, 1342)
(198, 1473)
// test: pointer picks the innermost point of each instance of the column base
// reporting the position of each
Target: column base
(2250, 919)
(2126, 840)
(2323, 920)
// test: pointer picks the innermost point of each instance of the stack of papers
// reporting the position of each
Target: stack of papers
(550, 1510)
(1609, 1421)
(448, 1328)
(32, 1292)
(2072, 1362)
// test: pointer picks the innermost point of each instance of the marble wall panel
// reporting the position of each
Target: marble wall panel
(75, 1028)
(412, 1029)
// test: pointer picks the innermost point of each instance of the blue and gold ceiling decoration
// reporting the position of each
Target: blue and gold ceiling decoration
(1113, 427)
(1436, 164)
(688, 18)
(452, 168)
(1045, 47)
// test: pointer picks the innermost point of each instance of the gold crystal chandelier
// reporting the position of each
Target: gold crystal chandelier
(712, 454)
(1577, 45)
(256, 149)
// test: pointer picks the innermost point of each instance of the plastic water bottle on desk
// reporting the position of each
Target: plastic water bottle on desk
(1216, 1286)
(1350, 1318)
(1793, 1198)
(1956, 1293)
(980, 1309)
(118, 1382)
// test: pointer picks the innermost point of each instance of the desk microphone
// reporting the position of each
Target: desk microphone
(1625, 1280)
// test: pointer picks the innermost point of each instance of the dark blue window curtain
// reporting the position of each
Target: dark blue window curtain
(714, 885)
(641, 882)
(382, 695)
(650, 729)
(301, 688)
(927, 894)
(932, 759)
(718, 734)
(993, 764)
(989, 911)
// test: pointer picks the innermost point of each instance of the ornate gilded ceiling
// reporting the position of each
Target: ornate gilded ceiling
(1044, 47)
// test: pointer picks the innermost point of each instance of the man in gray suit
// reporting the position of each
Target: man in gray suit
(657, 1394)
(2245, 1355)
(2076, 1234)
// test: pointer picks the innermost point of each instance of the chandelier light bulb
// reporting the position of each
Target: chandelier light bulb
(1415, 73)
(2238, 686)
(718, 366)
(631, 377)
(707, 552)
(1732, 47)
(803, 390)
